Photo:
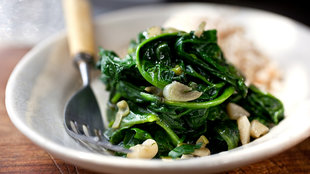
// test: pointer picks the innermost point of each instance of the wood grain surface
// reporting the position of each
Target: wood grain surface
(20, 155)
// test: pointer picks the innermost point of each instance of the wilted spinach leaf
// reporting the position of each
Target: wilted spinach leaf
(183, 149)
(223, 135)
(262, 106)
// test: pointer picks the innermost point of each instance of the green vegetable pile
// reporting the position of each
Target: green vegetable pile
(195, 61)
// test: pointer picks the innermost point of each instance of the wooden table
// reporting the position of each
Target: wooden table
(19, 155)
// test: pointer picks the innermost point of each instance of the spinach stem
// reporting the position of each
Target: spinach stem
(149, 97)
(183, 113)
(202, 105)
(175, 139)
(116, 97)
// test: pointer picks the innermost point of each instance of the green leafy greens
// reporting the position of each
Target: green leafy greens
(197, 62)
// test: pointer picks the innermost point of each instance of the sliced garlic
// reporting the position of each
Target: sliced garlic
(235, 111)
(177, 70)
(154, 90)
(258, 129)
(147, 150)
(123, 110)
(187, 156)
(170, 30)
(244, 129)
(200, 29)
(201, 152)
(154, 31)
(177, 91)
(202, 139)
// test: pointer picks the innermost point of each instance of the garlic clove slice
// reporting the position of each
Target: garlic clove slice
(235, 111)
(177, 91)
(123, 110)
(244, 129)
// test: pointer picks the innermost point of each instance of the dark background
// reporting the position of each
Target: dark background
(294, 9)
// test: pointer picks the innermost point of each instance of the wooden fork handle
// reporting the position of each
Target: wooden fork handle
(79, 24)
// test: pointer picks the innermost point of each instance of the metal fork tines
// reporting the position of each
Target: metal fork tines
(93, 139)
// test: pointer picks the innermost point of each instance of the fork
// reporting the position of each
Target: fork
(86, 139)
(82, 118)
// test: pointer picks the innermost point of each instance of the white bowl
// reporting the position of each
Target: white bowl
(44, 79)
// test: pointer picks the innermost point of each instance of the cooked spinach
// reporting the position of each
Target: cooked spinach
(183, 149)
(263, 106)
(197, 62)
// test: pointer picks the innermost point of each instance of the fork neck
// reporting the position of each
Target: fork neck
(84, 62)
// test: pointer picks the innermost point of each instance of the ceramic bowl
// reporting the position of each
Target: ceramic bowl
(45, 78)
